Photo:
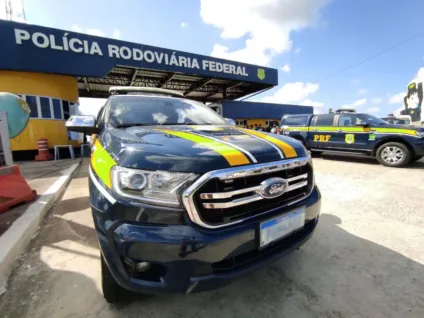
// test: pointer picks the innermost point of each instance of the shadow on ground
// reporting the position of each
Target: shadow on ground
(336, 274)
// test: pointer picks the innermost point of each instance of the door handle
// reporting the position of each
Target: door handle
(340, 130)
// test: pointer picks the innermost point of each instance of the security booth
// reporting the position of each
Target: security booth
(52, 68)
(255, 114)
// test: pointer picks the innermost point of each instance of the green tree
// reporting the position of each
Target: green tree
(330, 111)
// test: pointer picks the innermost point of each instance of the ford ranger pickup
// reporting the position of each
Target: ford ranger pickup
(183, 201)
(355, 133)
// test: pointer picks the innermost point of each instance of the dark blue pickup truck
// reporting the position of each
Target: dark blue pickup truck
(350, 132)
(184, 202)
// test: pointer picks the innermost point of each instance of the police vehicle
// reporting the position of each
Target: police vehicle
(185, 202)
(351, 132)
(398, 120)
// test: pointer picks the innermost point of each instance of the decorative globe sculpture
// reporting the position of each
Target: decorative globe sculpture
(17, 110)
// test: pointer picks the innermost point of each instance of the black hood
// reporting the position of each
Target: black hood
(196, 149)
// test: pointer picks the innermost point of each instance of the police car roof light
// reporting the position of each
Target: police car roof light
(115, 90)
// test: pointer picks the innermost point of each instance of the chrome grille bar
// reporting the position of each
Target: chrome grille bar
(232, 173)
(249, 199)
(229, 194)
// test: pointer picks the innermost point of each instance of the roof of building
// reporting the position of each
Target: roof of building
(99, 63)
(253, 110)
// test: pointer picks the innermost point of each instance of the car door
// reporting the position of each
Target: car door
(351, 132)
(322, 132)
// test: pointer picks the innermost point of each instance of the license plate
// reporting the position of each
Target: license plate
(281, 226)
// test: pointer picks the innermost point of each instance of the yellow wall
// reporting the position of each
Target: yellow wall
(54, 130)
(40, 84)
(50, 85)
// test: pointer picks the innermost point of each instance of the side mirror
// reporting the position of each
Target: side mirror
(82, 124)
(230, 121)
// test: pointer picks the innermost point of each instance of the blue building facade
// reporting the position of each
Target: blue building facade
(261, 114)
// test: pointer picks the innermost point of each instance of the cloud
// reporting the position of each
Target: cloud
(95, 32)
(116, 34)
(294, 93)
(359, 102)
(16, 7)
(297, 50)
(184, 25)
(286, 68)
(377, 100)
(362, 91)
(309, 102)
(397, 99)
(266, 25)
(420, 76)
(372, 110)
(90, 106)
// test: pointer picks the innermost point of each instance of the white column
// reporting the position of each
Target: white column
(5, 140)
(51, 108)
(37, 98)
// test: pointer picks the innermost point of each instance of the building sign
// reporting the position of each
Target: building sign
(34, 48)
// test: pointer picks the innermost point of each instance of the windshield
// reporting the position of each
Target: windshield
(133, 110)
(372, 119)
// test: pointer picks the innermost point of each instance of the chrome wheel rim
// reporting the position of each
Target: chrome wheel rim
(392, 155)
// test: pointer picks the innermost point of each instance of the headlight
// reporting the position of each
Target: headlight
(420, 133)
(155, 187)
(309, 156)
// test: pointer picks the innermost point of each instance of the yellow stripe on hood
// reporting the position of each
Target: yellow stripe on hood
(231, 154)
(289, 151)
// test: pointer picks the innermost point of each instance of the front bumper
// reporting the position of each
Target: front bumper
(192, 259)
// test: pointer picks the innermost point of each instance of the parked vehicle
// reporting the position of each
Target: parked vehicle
(185, 202)
(350, 132)
(398, 120)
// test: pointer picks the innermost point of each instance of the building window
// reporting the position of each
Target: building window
(32, 102)
(45, 107)
(65, 109)
(57, 109)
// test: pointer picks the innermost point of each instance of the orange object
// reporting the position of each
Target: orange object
(13, 188)
(43, 150)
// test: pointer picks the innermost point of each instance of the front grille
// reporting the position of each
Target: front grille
(221, 201)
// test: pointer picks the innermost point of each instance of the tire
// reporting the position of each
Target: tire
(394, 154)
(112, 292)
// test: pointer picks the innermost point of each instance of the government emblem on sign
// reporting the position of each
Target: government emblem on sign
(261, 73)
(350, 138)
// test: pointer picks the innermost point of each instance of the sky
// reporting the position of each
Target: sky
(329, 53)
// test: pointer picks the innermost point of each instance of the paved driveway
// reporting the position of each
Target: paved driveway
(365, 260)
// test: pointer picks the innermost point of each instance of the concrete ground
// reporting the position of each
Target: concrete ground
(365, 260)
(39, 176)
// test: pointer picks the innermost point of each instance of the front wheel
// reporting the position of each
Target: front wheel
(394, 154)
(112, 291)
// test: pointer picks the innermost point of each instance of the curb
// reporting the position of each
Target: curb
(16, 239)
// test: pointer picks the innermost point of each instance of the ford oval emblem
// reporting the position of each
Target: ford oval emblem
(273, 187)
